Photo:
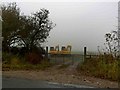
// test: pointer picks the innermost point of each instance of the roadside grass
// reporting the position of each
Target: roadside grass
(15, 62)
(100, 67)
(26, 66)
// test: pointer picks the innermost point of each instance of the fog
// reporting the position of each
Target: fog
(77, 23)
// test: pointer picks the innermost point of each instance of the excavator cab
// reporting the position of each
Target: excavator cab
(64, 50)
(54, 50)
(51, 48)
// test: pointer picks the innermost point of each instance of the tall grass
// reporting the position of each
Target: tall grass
(102, 67)
(15, 62)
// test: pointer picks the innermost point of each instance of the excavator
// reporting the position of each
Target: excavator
(64, 50)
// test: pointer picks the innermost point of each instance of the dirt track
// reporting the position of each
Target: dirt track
(67, 75)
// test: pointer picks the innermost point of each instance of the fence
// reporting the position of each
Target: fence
(65, 59)
(91, 56)
(69, 58)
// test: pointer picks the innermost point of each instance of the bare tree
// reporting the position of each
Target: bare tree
(112, 43)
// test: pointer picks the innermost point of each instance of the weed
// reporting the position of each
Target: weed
(105, 68)
(15, 62)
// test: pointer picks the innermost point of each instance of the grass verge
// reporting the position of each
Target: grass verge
(15, 62)
(100, 68)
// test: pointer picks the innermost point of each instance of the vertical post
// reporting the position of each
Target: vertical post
(72, 59)
(119, 30)
(90, 56)
(47, 49)
(46, 52)
(63, 59)
(85, 52)
(119, 40)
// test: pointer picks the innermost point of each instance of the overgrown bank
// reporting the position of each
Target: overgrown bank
(103, 67)
(16, 62)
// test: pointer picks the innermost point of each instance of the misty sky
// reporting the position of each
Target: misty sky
(77, 23)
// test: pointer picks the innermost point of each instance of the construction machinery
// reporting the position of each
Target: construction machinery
(64, 50)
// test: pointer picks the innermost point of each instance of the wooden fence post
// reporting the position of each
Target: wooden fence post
(85, 52)
(46, 52)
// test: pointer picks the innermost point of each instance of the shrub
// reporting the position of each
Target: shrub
(103, 67)
(15, 60)
(31, 61)
(10, 60)
(6, 57)
(34, 58)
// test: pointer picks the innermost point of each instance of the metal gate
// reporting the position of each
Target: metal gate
(65, 58)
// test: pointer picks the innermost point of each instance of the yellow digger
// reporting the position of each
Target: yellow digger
(64, 50)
